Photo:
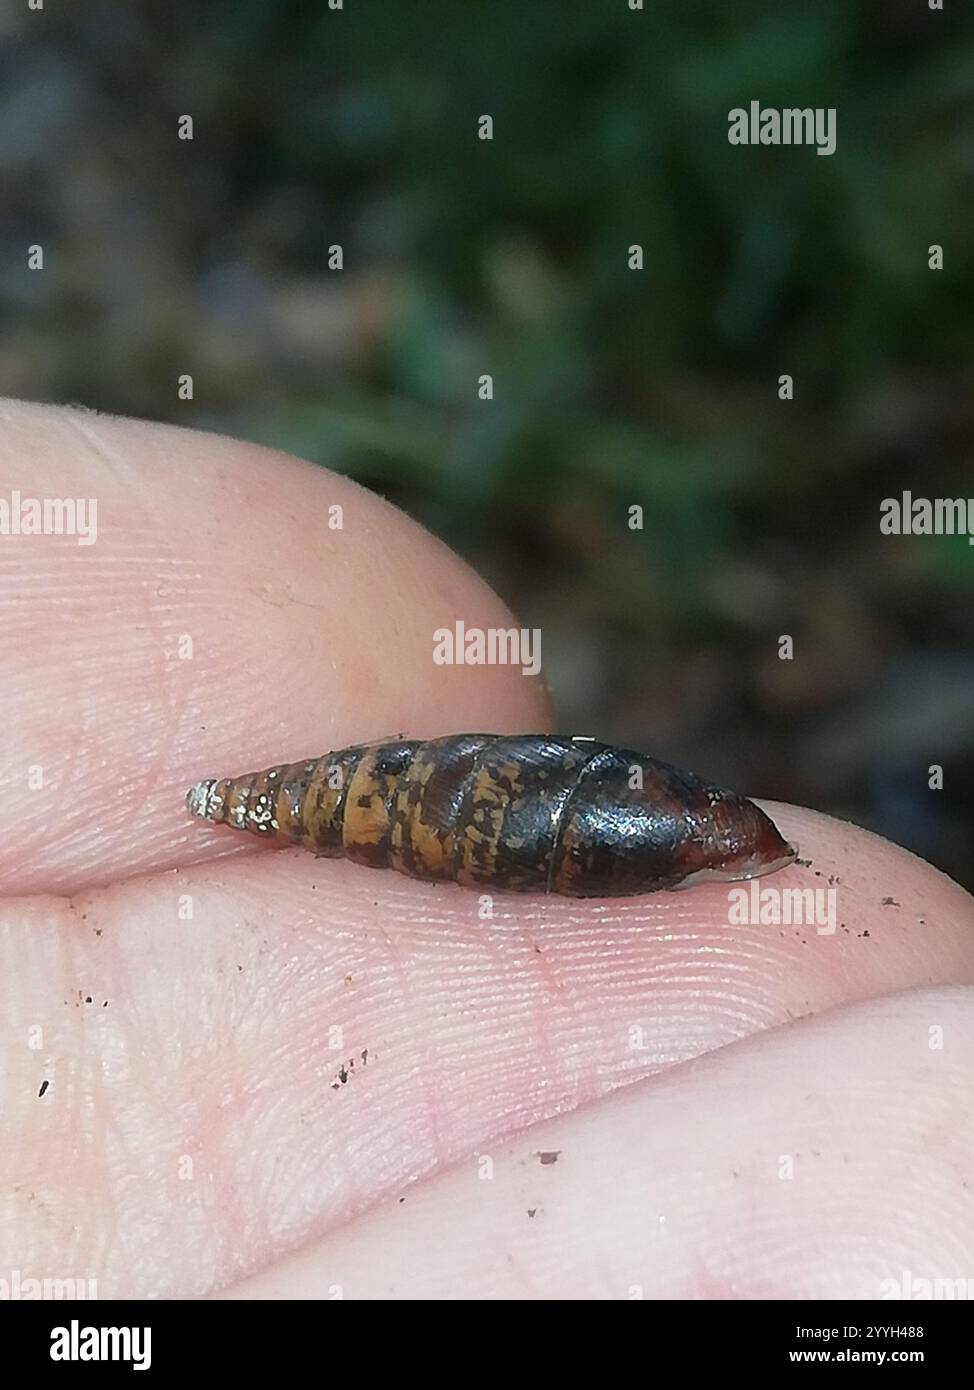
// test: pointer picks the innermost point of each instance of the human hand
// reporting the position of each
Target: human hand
(195, 1132)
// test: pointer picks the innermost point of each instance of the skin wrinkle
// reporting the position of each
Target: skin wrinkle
(396, 960)
(76, 1090)
(87, 703)
(218, 1132)
(533, 953)
(545, 1049)
(159, 685)
(554, 1000)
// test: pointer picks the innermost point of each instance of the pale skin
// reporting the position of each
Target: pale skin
(734, 1111)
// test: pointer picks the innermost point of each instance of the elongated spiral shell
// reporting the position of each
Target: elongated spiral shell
(530, 813)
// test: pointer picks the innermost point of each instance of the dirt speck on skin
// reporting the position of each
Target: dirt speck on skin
(44, 1086)
(347, 1069)
(549, 1156)
(889, 902)
(532, 1211)
(804, 863)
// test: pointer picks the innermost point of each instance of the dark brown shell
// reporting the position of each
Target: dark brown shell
(531, 813)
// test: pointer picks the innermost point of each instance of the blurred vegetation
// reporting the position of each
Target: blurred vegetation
(613, 387)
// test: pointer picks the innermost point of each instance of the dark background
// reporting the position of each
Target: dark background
(612, 387)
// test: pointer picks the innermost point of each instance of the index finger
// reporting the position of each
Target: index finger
(234, 608)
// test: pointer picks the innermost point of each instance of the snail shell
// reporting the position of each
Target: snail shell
(531, 813)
